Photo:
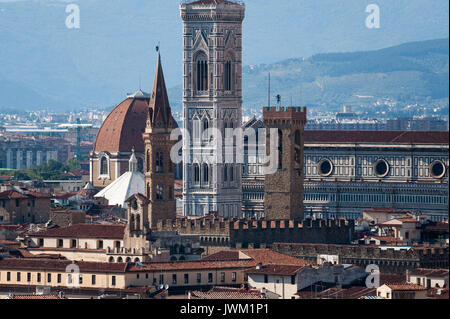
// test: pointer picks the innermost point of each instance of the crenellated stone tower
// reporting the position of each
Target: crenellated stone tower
(283, 190)
(212, 98)
(159, 168)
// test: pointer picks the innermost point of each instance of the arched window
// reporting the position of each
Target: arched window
(159, 162)
(148, 190)
(228, 75)
(280, 149)
(297, 139)
(205, 124)
(148, 161)
(202, 72)
(159, 192)
(104, 166)
(140, 164)
(205, 173)
(231, 173)
(196, 173)
(225, 173)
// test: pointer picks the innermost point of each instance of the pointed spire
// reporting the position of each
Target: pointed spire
(161, 115)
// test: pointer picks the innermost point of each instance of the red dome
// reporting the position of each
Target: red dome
(122, 130)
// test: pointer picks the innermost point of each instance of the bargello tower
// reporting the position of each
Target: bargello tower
(212, 99)
(159, 168)
(283, 189)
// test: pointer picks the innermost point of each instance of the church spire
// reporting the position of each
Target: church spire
(160, 114)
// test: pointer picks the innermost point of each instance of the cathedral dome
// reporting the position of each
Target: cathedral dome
(122, 129)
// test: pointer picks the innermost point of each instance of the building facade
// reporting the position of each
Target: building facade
(120, 133)
(159, 168)
(212, 98)
(283, 189)
(346, 172)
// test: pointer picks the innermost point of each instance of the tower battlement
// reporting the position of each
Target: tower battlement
(264, 232)
(280, 114)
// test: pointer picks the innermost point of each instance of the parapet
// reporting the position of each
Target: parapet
(291, 224)
(284, 115)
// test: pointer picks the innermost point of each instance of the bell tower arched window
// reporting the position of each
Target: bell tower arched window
(228, 76)
(205, 173)
(196, 173)
(201, 64)
(159, 162)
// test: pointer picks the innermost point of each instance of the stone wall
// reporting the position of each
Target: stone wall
(262, 233)
(388, 260)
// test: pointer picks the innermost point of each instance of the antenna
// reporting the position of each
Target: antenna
(268, 96)
(300, 94)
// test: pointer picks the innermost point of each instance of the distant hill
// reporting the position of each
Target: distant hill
(416, 71)
(411, 71)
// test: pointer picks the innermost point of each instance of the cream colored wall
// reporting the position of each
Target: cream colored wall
(414, 234)
(423, 281)
(103, 280)
(143, 281)
(383, 292)
(289, 290)
(82, 243)
(92, 256)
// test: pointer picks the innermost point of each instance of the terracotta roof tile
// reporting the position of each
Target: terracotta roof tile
(29, 297)
(84, 231)
(122, 129)
(281, 270)
(227, 293)
(429, 272)
(385, 137)
(405, 287)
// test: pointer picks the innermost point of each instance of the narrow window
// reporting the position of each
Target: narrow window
(280, 149)
(103, 166)
(196, 173)
(205, 173)
(174, 279)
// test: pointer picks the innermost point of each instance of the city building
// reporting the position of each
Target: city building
(212, 98)
(347, 172)
(429, 278)
(405, 291)
(24, 207)
(120, 133)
